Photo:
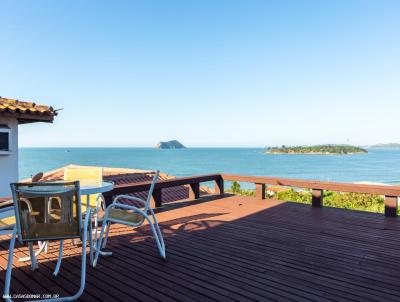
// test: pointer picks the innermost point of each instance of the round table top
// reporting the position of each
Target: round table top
(94, 187)
(87, 187)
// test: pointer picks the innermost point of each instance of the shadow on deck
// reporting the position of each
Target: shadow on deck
(234, 249)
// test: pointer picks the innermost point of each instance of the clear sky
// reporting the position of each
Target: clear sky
(208, 73)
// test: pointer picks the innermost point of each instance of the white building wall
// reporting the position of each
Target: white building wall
(9, 163)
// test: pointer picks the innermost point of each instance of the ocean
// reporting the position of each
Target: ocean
(379, 165)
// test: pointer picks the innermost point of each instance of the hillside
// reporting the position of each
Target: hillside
(389, 145)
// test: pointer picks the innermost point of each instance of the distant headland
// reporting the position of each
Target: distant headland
(319, 149)
(174, 144)
(384, 146)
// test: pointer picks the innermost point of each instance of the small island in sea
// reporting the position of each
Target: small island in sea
(174, 144)
(318, 149)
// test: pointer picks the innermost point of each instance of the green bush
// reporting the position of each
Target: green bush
(292, 195)
(354, 201)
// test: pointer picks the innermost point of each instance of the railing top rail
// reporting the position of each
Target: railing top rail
(167, 183)
(289, 182)
(318, 185)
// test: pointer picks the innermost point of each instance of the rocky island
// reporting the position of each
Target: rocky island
(174, 144)
(320, 149)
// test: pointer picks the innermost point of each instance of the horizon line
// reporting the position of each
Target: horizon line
(199, 147)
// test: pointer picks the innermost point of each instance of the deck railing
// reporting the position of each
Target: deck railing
(193, 182)
(391, 193)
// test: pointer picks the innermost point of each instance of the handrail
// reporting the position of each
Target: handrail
(318, 185)
(192, 181)
(391, 193)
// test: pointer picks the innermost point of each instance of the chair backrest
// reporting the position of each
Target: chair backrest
(83, 173)
(153, 183)
(34, 218)
(37, 177)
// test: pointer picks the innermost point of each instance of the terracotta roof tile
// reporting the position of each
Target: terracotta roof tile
(29, 110)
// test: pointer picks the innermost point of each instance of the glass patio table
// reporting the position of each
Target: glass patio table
(87, 187)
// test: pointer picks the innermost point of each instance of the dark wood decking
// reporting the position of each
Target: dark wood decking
(235, 249)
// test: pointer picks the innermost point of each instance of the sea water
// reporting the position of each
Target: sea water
(379, 165)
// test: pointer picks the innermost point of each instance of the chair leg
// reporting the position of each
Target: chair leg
(7, 283)
(34, 264)
(83, 268)
(99, 241)
(158, 237)
(90, 234)
(106, 236)
(83, 263)
(58, 265)
(96, 225)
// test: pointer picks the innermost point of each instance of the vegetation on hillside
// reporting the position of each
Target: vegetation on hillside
(319, 149)
(353, 201)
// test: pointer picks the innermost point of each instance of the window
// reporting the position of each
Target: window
(5, 133)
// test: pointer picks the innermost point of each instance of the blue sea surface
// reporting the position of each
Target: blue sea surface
(379, 165)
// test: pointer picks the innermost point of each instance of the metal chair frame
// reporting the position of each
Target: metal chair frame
(83, 234)
(8, 230)
(146, 213)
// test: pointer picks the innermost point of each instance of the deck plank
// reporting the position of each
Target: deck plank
(233, 249)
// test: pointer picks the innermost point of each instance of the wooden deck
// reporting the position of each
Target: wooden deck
(235, 249)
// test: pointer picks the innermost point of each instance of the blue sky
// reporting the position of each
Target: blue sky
(208, 73)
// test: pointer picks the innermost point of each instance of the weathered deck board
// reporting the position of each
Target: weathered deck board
(234, 249)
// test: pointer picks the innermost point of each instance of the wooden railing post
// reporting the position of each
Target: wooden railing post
(219, 186)
(157, 198)
(391, 193)
(390, 206)
(317, 198)
(194, 191)
(260, 191)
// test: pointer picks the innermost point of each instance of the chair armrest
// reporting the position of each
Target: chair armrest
(6, 203)
(28, 204)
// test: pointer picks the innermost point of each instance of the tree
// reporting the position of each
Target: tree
(235, 187)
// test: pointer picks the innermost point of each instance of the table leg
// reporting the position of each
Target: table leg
(92, 241)
(96, 225)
